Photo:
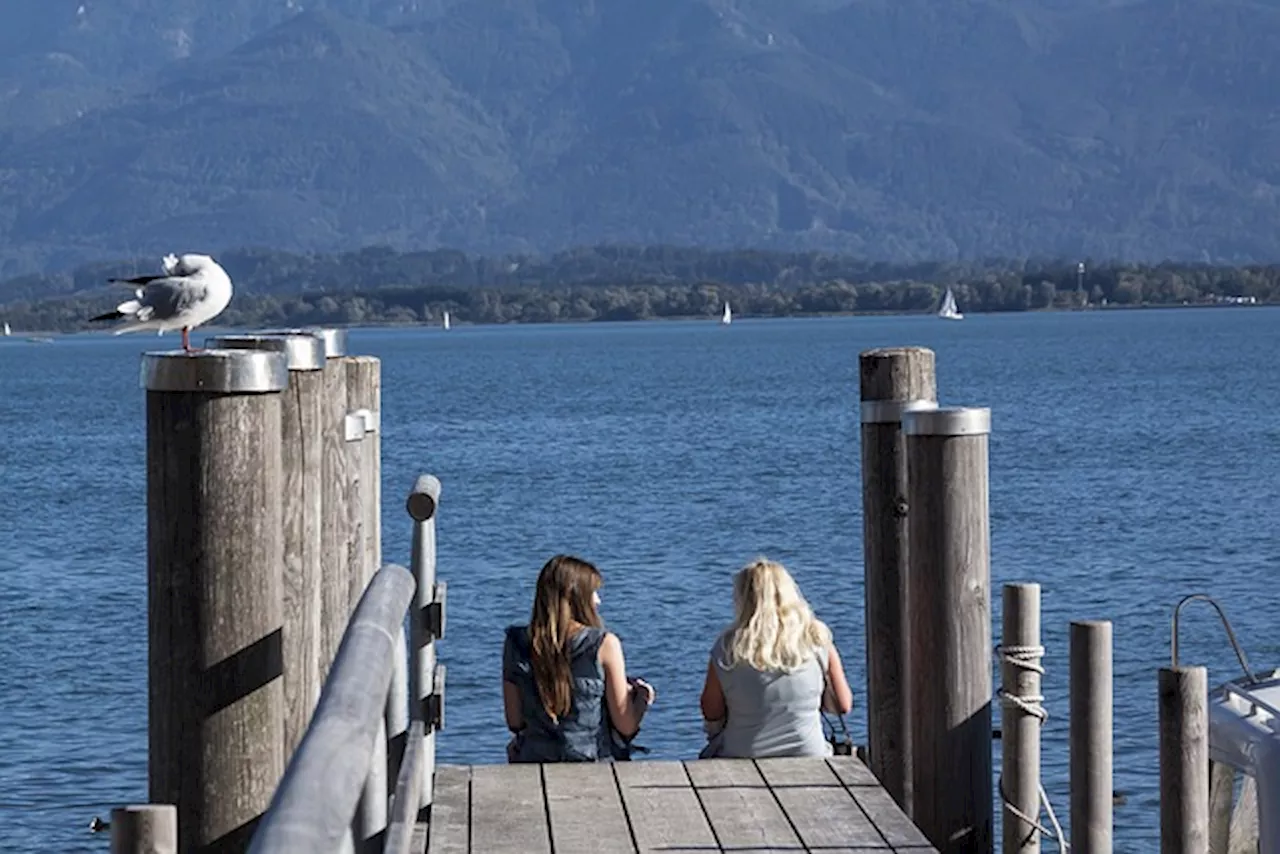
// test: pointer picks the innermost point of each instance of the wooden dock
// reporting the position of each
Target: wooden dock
(832, 806)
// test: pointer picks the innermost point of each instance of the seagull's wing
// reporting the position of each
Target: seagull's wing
(168, 297)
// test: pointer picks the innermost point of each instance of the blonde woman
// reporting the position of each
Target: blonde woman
(771, 672)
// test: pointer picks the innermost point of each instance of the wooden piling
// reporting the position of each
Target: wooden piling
(1021, 716)
(949, 620)
(364, 380)
(1092, 792)
(301, 421)
(421, 504)
(336, 527)
(892, 381)
(215, 609)
(144, 829)
(1184, 760)
(363, 395)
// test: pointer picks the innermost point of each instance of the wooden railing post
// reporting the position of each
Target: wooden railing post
(301, 422)
(949, 579)
(423, 626)
(1184, 760)
(144, 829)
(892, 381)
(1021, 716)
(214, 555)
(1090, 737)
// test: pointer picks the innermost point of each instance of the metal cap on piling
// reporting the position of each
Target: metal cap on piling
(302, 351)
(424, 497)
(947, 421)
(334, 339)
(216, 371)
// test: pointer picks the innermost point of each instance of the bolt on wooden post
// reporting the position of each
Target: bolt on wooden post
(949, 620)
(215, 600)
(301, 443)
(892, 381)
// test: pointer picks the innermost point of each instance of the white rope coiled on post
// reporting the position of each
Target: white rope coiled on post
(1028, 658)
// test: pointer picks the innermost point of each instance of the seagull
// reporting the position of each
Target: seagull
(193, 290)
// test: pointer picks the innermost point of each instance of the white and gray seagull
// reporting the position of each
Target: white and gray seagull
(193, 290)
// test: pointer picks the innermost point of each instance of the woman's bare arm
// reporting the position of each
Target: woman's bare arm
(511, 706)
(839, 697)
(712, 702)
(626, 704)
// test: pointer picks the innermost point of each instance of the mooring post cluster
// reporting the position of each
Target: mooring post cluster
(263, 503)
(927, 560)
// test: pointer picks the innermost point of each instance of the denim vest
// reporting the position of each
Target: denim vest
(579, 736)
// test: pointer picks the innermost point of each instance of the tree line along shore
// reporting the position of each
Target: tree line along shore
(382, 286)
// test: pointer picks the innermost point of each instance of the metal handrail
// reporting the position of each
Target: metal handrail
(1226, 624)
(403, 818)
(314, 804)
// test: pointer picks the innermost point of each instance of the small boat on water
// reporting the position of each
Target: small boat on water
(948, 309)
(7, 331)
(446, 321)
(727, 317)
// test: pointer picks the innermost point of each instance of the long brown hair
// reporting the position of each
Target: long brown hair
(562, 601)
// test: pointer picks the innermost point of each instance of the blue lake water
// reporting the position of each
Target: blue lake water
(1133, 460)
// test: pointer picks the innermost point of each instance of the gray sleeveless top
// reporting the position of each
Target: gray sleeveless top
(771, 713)
(580, 736)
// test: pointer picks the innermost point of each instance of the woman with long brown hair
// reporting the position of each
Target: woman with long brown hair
(564, 678)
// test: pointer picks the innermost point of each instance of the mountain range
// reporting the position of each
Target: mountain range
(890, 129)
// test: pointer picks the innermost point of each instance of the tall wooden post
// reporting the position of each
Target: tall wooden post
(1090, 737)
(1021, 715)
(301, 421)
(215, 609)
(893, 381)
(335, 600)
(1184, 760)
(363, 398)
(144, 829)
(949, 619)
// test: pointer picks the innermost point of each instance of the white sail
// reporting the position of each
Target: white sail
(727, 317)
(446, 320)
(948, 310)
(7, 330)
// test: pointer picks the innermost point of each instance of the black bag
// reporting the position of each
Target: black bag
(841, 742)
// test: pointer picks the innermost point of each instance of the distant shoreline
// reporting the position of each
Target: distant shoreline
(26, 334)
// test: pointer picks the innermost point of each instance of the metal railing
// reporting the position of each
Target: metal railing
(376, 678)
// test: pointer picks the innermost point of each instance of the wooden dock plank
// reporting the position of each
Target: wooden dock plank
(509, 810)
(820, 807)
(450, 829)
(663, 809)
(585, 808)
(889, 819)
(742, 811)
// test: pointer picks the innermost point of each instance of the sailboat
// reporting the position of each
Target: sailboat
(948, 310)
(727, 317)
(446, 321)
(7, 330)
